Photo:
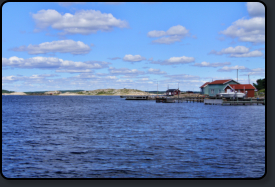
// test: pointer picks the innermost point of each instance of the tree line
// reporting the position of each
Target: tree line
(260, 84)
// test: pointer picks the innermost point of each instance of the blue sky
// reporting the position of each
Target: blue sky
(64, 46)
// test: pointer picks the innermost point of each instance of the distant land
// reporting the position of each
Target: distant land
(6, 91)
(82, 92)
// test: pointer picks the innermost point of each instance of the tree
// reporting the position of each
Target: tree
(260, 84)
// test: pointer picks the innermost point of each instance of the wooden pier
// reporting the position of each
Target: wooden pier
(211, 101)
(244, 102)
(234, 102)
(179, 100)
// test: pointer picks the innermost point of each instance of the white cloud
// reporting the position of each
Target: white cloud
(250, 54)
(238, 51)
(179, 60)
(61, 46)
(247, 30)
(226, 68)
(177, 30)
(69, 3)
(125, 71)
(175, 61)
(135, 58)
(168, 40)
(208, 64)
(256, 71)
(255, 9)
(155, 71)
(74, 71)
(181, 77)
(156, 33)
(114, 58)
(173, 34)
(82, 22)
(32, 78)
(52, 63)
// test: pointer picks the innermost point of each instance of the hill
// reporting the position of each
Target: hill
(114, 92)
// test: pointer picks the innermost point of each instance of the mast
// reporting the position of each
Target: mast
(178, 91)
(157, 89)
(237, 75)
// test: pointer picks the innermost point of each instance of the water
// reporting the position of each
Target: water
(109, 137)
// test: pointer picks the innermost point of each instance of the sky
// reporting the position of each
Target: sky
(146, 46)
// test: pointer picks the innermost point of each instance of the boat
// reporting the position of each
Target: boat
(232, 94)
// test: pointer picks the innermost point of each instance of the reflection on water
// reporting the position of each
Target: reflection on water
(97, 136)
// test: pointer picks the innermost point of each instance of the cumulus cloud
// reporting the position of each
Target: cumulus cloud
(125, 71)
(114, 58)
(82, 22)
(248, 30)
(53, 63)
(175, 61)
(250, 54)
(74, 71)
(238, 51)
(61, 46)
(133, 58)
(32, 78)
(256, 71)
(208, 64)
(255, 9)
(173, 34)
(168, 40)
(180, 60)
(155, 71)
(228, 69)
(69, 3)
(181, 78)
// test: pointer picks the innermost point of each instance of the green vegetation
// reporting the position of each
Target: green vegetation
(260, 84)
(6, 91)
(73, 91)
(108, 92)
(260, 93)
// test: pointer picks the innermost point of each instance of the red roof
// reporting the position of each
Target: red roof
(204, 84)
(242, 86)
(220, 81)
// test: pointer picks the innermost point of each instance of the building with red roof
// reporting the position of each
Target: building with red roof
(217, 86)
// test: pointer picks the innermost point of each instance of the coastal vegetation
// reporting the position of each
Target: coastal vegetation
(260, 84)
(7, 91)
(260, 93)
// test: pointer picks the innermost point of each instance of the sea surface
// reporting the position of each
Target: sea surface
(110, 137)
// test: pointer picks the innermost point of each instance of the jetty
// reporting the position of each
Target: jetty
(139, 97)
(212, 100)
(247, 101)
(179, 99)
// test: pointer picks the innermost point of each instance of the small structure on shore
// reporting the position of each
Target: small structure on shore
(172, 92)
(52, 93)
